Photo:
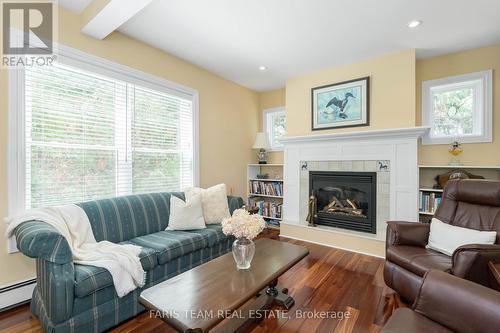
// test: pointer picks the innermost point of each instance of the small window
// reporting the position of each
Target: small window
(275, 126)
(458, 108)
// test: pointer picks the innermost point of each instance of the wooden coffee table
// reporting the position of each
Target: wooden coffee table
(217, 294)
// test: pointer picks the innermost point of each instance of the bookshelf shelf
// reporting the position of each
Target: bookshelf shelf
(428, 201)
(451, 167)
(272, 218)
(266, 194)
(431, 190)
(266, 180)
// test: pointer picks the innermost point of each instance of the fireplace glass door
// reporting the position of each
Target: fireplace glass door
(345, 199)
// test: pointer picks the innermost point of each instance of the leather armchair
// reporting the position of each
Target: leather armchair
(446, 303)
(473, 204)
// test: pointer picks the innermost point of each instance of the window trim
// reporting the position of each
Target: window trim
(483, 84)
(16, 165)
(265, 114)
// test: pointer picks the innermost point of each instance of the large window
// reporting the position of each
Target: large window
(458, 108)
(275, 127)
(87, 135)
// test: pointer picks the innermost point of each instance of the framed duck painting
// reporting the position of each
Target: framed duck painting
(343, 104)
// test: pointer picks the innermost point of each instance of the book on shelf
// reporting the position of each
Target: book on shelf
(266, 188)
(429, 201)
(269, 209)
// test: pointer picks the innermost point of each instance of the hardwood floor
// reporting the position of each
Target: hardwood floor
(330, 280)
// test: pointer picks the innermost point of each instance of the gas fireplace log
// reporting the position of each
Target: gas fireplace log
(336, 206)
(345, 210)
(352, 204)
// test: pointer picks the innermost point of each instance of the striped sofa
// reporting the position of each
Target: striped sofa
(77, 298)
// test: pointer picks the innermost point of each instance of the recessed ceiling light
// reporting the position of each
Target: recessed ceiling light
(414, 24)
(262, 68)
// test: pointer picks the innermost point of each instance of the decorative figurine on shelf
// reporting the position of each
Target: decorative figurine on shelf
(261, 143)
(455, 149)
(312, 216)
(441, 180)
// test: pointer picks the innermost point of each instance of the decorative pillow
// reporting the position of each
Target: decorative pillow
(214, 199)
(447, 238)
(186, 215)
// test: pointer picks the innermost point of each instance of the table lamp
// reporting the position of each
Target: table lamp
(262, 144)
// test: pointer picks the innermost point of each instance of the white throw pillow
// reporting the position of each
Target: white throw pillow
(214, 199)
(447, 238)
(186, 215)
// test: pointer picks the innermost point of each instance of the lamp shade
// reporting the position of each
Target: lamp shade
(261, 141)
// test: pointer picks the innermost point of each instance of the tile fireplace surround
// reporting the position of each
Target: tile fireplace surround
(397, 183)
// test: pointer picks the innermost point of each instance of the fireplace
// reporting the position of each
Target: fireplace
(345, 199)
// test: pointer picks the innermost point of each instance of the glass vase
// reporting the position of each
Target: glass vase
(243, 252)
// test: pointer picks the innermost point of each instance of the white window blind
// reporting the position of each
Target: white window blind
(89, 136)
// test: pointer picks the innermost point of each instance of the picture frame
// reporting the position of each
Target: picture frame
(340, 105)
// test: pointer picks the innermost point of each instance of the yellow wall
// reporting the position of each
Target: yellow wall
(456, 64)
(268, 100)
(228, 119)
(392, 93)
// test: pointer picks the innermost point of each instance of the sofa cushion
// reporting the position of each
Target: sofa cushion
(172, 244)
(147, 256)
(89, 279)
(446, 238)
(418, 260)
(122, 218)
(213, 233)
(215, 203)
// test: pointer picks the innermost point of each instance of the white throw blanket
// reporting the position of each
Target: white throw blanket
(122, 261)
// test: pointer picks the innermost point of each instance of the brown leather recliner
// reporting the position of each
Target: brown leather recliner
(447, 304)
(473, 204)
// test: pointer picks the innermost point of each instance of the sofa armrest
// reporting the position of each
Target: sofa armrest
(458, 304)
(407, 233)
(471, 261)
(234, 203)
(55, 285)
(37, 239)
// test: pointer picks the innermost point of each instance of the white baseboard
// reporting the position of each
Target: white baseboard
(16, 293)
(329, 245)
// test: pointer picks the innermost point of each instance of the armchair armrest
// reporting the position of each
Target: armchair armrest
(471, 261)
(37, 239)
(407, 233)
(458, 304)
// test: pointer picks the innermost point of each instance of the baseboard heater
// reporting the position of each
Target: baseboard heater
(16, 294)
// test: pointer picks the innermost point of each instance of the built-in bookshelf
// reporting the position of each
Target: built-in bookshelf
(429, 200)
(430, 196)
(266, 194)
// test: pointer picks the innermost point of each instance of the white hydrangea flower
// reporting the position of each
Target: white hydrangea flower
(243, 225)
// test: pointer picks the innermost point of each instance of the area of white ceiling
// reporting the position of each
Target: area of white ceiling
(232, 38)
(76, 6)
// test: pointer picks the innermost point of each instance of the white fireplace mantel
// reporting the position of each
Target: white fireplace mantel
(398, 146)
(394, 133)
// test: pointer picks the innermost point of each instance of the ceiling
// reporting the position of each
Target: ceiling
(232, 38)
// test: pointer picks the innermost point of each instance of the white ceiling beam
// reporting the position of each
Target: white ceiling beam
(102, 17)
